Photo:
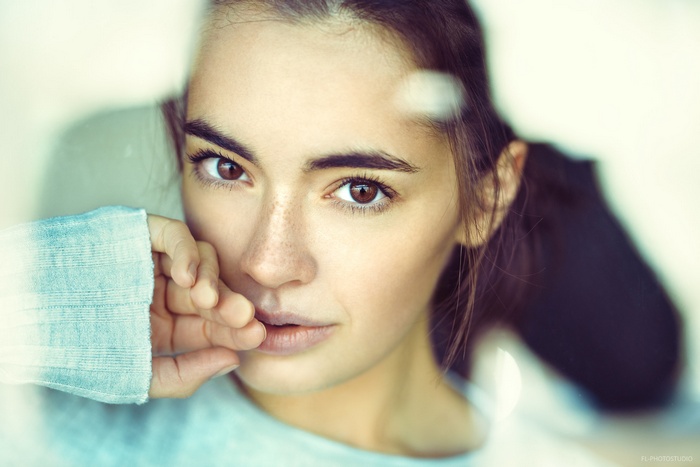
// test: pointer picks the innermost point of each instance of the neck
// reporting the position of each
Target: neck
(400, 406)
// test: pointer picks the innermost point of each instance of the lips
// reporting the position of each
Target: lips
(290, 333)
(286, 319)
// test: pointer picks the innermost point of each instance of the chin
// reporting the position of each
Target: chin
(281, 375)
(293, 375)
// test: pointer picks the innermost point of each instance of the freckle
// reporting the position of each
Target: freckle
(281, 217)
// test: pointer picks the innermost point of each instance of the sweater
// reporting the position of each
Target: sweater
(75, 348)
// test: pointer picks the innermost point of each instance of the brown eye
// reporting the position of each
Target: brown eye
(229, 170)
(212, 166)
(359, 192)
(363, 192)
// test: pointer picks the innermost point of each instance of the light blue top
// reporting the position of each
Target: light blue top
(75, 295)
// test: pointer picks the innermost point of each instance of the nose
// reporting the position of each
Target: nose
(277, 253)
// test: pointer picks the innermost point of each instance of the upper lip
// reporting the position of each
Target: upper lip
(285, 318)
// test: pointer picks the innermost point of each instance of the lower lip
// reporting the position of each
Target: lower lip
(288, 340)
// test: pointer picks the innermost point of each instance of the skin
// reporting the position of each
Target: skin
(290, 239)
(197, 323)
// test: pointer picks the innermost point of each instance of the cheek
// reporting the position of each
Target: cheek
(387, 278)
(199, 210)
(213, 218)
(379, 272)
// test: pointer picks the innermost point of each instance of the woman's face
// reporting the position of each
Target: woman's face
(332, 211)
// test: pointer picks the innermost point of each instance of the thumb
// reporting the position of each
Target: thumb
(181, 376)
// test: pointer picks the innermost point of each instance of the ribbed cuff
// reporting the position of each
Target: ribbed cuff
(75, 294)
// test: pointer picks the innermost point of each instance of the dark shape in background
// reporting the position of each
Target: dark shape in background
(591, 307)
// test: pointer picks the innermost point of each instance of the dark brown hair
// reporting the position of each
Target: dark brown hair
(444, 36)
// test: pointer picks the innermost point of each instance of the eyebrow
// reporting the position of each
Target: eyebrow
(379, 160)
(361, 159)
(204, 130)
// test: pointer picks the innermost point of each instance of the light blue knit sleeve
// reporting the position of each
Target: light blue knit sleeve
(75, 294)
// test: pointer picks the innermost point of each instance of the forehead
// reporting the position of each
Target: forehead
(321, 84)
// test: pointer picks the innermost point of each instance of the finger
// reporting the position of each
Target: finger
(232, 309)
(206, 287)
(162, 263)
(195, 333)
(236, 310)
(181, 376)
(173, 238)
(205, 293)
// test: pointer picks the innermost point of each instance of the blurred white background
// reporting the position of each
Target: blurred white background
(613, 80)
(115, 157)
(617, 81)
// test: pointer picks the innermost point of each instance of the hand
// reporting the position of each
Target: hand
(197, 322)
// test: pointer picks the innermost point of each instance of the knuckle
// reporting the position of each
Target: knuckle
(207, 331)
(206, 247)
(177, 225)
(210, 260)
(169, 381)
(178, 233)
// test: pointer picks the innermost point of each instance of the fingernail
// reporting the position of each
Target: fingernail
(228, 369)
(192, 271)
(264, 332)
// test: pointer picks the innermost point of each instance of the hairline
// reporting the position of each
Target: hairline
(339, 17)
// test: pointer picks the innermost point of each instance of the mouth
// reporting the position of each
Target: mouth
(286, 319)
(289, 333)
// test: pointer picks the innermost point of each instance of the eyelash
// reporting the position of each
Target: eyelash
(200, 156)
(378, 207)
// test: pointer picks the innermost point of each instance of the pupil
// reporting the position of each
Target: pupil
(228, 170)
(363, 192)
